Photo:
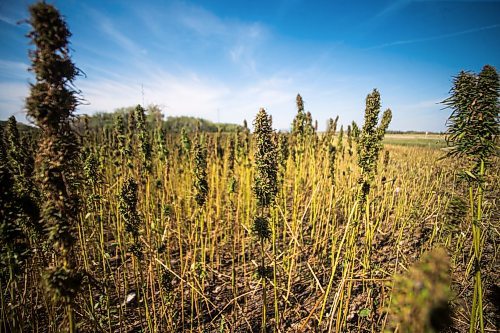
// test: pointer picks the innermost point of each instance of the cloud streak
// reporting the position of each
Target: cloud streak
(8, 20)
(13, 70)
(108, 27)
(434, 38)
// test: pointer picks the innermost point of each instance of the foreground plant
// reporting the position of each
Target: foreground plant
(420, 297)
(51, 104)
(473, 129)
(265, 188)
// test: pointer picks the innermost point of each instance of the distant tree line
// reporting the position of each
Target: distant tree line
(154, 118)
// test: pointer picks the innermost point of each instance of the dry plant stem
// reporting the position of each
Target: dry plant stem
(477, 300)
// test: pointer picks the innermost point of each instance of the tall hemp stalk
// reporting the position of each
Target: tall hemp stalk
(51, 104)
(473, 129)
(370, 144)
(265, 188)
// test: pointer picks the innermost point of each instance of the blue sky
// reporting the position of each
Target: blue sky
(223, 60)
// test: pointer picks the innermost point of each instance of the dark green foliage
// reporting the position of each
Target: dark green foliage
(264, 272)
(266, 167)
(331, 126)
(120, 134)
(161, 144)
(143, 138)
(340, 143)
(370, 144)
(298, 124)
(370, 141)
(128, 207)
(200, 174)
(166, 278)
(243, 142)
(473, 126)
(20, 162)
(219, 149)
(349, 140)
(64, 283)
(473, 129)
(332, 154)
(384, 124)
(261, 227)
(18, 156)
(309, 127)
(355, 131)
(231, 153)
(386, 159)
(283, 151)
(91, 169)
(185, 141)
(331, 129)
(14, 244)
(302, 125)
(363, 193)
(51, 103)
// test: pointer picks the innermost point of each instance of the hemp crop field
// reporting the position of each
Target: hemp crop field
(132, 228)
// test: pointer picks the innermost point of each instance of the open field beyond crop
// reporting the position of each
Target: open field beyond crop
(422, 140)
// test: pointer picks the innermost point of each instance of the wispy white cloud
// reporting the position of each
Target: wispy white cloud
(194, 27)
(438, 37)
(12, 96)
(391, 9)
(199, 20)
(8, 20)
(115, 35)
(187, 95)
(13, 70)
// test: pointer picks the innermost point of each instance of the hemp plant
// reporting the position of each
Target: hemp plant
(185, 142)
(265, 188)
(420, 296)
(143, 139)
(128, 210)
(331, 129)
(200, 183)
(51, 104)
(299, 127)
(473, 129)
(332, 155)
(14, 249)
(120, 134)
(340, 143)
(349, 140)
(283, 152)
(355, 131)
(370, 144)
(21, 164)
